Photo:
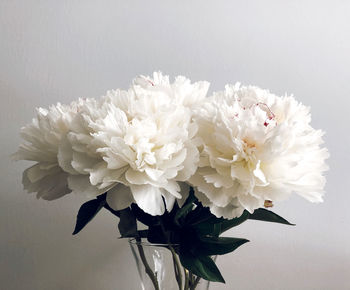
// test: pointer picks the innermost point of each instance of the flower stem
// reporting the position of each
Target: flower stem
(195, 283)
(177, 267)
(148, 269)
(186, 287)
(191, 279)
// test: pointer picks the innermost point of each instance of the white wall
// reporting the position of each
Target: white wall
(60, 50)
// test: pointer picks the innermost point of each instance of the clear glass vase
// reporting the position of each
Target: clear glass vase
(159, 268)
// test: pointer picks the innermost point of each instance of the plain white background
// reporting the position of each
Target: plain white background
(54, 51)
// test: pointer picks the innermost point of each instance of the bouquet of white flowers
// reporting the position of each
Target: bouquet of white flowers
(187, 166)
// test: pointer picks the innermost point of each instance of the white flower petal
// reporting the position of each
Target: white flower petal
(154, 174)
(185, 190)
(173, 188)
(98, 173)
(259, 147)
(119, 197)
(148, 198)
(219, 180)
(230, 211)
(82, 162)
(65, 155)
(258, 173)
(217, 196)
(169, 200)
(136, 177)
(190, 164)
(36, 172)
(80, 184)
(250, 203)
(50, 187)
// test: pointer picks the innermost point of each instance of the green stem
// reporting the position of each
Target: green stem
(195, 283)
(186, 279)
(176, 273)
(148, 269)
(191, 279)
(177, 267)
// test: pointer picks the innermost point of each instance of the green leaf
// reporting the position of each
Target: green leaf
(214, 226)
(156, 235)
(182, 213)
(191, 197)
(142, 233)
(265, 215)
(127, 224)
(211, 228)
(227, 224)
(202, 266)
(200, 215)
(186, 208)
(87, 212)
(210, 246)
(143, 217)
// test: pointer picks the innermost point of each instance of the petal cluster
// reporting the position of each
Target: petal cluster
(138, 145)
(142, 140)
(256, 147)
(239, 148)
(43, 136)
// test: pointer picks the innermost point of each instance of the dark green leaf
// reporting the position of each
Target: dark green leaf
(202, 266)
(142, 233)
(211, 228)
(143, 217)
(173, 212)
(87, 212)
(265, 215)
(191, 197)
(200, 215)
(186, 208)
(102, 196)
(227, 224)
(156, 235)
(210, 246)
(127, 224)
(214, 226)
(182, 213)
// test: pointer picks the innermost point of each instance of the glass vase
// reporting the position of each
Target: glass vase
(159, 268)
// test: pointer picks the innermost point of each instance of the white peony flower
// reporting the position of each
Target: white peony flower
(256, 147)
(136, 144)
(43, 136)
(77, 149)
(182, 90)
